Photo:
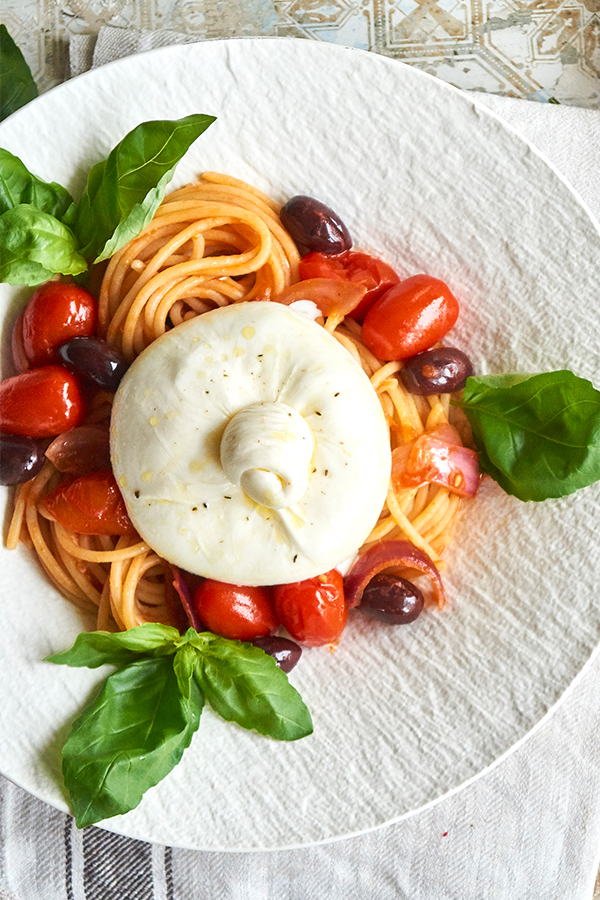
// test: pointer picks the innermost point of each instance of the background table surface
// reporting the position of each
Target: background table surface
(536, 49)
(544, 50)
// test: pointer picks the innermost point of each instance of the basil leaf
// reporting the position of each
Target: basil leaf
(128, 739)
(538, 436)
(98, 648)
(35, 246)
(243, 684)
(18, 185)
(123, 192)
(17, 86)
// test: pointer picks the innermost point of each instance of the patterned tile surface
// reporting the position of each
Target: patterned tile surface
(538, 49)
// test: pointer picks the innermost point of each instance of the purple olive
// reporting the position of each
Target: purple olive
(95, 360)
(440, 371)
(391, 599)
(286, 653)
(314, 226)
(21, 458)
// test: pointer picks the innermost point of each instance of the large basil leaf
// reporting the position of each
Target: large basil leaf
(98, 648)
(17, 86)
(244, 684)
(128, 739)
(18, 185)
(123, 192)
(34, 246)
(538, 436)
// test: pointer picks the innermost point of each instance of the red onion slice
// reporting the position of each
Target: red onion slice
(175, 583)
(331, 295)
(394, 557)
(437, 457)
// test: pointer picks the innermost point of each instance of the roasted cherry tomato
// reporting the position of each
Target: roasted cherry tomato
(411, 317)
(235, 611)
(41, 403)
(358, 268)
(91, 504)
(314, 611)
(56, 313)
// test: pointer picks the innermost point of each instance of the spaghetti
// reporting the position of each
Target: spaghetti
(212, 243)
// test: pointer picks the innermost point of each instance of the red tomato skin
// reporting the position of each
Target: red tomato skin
(18, 351)
(411, 317)
(56, 313)
(90, 504)
(41, 402)
(356, 267)
(314, 611)
(235, 611)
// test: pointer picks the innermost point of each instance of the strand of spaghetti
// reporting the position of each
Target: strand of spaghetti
(443, 539)
(213, 217)
(347, 343)
(118, 569)
(441, 522)
(220, 178)
(370, 362)
(420, 502)
(409, 417)
(99, 556)
(384, 372)
(127, 593)
(432, 512)
(48, 559)
(232, 265)
(104, 613)
(410, 531)
(139, 566)
(79, 577)
(206, 193)
(119, 266)
(438, 415)
(154, 265)
(18, 517)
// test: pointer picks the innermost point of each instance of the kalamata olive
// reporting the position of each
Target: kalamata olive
(21, 458)
(440, 371)
(391, 599)
(95, 360)
(286, 653)
(314, 226)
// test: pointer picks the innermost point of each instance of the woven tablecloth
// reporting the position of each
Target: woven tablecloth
(529, 829)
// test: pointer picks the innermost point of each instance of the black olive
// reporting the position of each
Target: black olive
(95, 360)
(286, 653)
(440, 371)
(391, 599)
(314, 226)
(21, 458)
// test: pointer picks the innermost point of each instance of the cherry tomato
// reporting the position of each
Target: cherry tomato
(359, 268)
(411, 317)
(90, 504)
(235, 611)
(314, 611)
(41, 403)
(56, 313)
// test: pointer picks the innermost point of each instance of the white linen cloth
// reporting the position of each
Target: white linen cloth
(529, 829)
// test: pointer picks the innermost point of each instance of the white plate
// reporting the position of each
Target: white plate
(436, 184)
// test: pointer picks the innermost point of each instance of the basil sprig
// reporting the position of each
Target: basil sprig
(36, 245)
(17, 86)
(538, 436)
(137, 728)
(43, 232)
(123, 192)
